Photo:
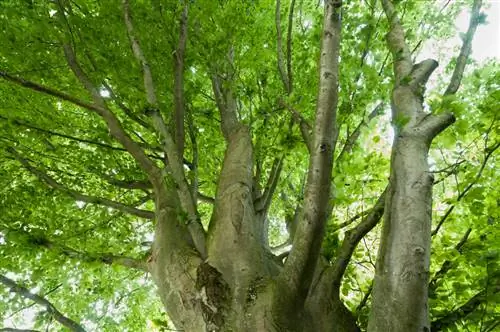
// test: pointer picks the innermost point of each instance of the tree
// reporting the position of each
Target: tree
(199, 151)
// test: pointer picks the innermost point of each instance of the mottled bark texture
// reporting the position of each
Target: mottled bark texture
(400, 292)
(240, 285)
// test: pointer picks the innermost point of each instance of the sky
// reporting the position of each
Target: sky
(486, 43)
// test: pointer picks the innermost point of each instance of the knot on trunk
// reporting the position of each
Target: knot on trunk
(214, 294)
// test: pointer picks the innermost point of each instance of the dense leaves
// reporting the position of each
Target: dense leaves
(71, 226)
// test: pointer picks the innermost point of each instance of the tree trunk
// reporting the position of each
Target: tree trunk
(401, 279)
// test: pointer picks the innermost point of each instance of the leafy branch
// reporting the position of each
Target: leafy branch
(24, 292)
(488, 153)
(77, 195)
(106, 258)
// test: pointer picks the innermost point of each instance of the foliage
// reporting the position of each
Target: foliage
(68, 248)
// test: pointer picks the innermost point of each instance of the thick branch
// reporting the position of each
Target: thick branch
(465, 51)
(226, 104)
(300, 265)
(433, 124)
(24, 292)
(397, 44)
(78, 196)
(421, 72)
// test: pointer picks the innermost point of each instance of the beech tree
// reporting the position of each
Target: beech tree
(224, 166)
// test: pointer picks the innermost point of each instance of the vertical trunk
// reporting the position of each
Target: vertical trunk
(403, 262)
(174, 264)
(401, 280)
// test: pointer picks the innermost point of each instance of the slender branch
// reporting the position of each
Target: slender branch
(352, 238)
(489, 152)
(447, 264)
(465, 51)
(24, 292)
(364, 300)
(179, 108)
(73, 138)
(105, 258)
(128, 184)
(111, 120)
(10, 329)
(146, 185)
(263, 202)
(136, 49)
(279, 49)
(461, 312)
(126, 109)
(352, 139)
(305, 127)
(289, 47)
(194, 148)
(78, 196)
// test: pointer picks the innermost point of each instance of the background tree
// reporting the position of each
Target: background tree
(199, 151)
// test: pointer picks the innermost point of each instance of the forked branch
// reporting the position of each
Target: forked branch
(300, 265)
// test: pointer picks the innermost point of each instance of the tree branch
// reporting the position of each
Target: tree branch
(179, 108)
(461, 312)
(447, 264)
(299, 267)
(78, 196)
(465, 51)
(105, 258)
(73, 138)
(279, 49)
(432, 124)
(489, 152)
(112, 122)
(396, 41)
(352, 139)
(24, 292)
(289, 70)
(304, 126)
(263, 202)
(226, 104)
(174, 158)
(136, 49)
(10, 329)
(352, 238)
